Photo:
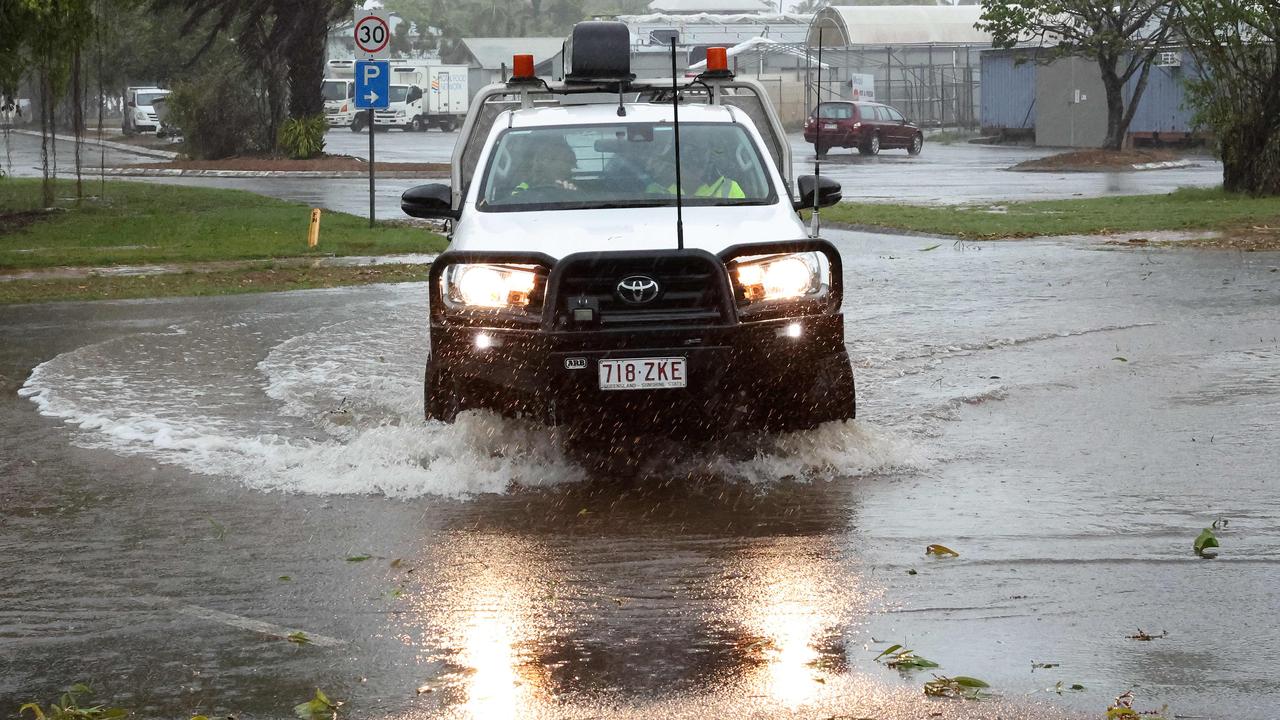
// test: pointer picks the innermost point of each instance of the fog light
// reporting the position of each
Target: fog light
(791, 331)
(483, 342)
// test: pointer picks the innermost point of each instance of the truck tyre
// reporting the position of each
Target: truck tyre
(448, 125)
(418, 124)
(357, 125)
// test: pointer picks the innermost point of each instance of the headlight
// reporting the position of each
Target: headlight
(782, 277)
(489, 286)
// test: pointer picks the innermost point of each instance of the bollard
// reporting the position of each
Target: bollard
(313, 235)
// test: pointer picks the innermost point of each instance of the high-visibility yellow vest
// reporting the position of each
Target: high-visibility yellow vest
(722, 187)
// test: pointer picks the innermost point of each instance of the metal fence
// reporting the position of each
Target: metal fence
(933, 85)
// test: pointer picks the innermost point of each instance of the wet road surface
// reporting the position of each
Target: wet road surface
(941, 175)
(186, 480)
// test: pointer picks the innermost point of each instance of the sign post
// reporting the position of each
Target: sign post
(373, 75)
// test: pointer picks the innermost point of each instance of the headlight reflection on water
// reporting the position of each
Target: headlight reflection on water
(491, 623)
(801, 600)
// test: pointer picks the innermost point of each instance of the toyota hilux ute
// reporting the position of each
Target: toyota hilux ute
(593, 282)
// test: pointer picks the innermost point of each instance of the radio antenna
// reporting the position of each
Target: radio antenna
(675, 109)
(814, 224)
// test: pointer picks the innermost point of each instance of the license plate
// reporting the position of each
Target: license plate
(643, 373)
(830, 126)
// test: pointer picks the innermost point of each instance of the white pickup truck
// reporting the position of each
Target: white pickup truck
(590, 285)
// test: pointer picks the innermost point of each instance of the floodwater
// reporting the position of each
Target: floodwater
(186, 482)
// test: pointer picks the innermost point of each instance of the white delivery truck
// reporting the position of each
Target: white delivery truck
(425, 95)
(591, 284)
(340, 105)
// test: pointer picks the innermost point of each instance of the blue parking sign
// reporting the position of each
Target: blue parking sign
(373, 84)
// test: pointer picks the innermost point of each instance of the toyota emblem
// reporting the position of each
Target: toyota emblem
(638, 289)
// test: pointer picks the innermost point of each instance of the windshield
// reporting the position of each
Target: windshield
(399, 93)
(624, 165)
(335, 90)
(147, 99)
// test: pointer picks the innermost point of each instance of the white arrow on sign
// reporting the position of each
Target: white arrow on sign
(372, 97)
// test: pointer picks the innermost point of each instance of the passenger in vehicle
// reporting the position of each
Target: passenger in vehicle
(550, 166)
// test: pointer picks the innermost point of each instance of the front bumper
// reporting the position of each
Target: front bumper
(785, 368)
(780, 374)
(340, 119)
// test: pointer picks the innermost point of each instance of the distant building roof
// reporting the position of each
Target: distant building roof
(493, 53)
(715, 29)
(685, 7)
(898, 25)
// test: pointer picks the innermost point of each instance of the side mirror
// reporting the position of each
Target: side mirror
(826, 189)
(133, 104)
(429, 201)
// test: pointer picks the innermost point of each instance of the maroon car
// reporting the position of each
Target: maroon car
(868, 126)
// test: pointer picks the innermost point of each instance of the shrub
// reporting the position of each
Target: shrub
(218, 112)
(302, 138)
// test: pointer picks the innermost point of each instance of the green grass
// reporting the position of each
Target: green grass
(189, 284)
(1185, 209)
(138, 223)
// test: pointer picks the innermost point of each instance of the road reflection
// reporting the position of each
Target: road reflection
(489, 626)
(795, 618)
(530, 623)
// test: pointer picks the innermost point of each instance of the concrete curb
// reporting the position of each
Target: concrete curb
(125, 147)
(1166, 165)
(1139, 167)
(333, 174)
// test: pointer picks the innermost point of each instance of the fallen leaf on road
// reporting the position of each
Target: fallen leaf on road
(1206, 544)
(940, 551)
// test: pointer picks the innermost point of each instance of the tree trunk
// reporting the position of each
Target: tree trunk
(1251, 157)
(77, 115)
(1116, 126)
(46, 131)
(305, 54)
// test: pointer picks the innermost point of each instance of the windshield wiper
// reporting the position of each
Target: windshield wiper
(636, 204)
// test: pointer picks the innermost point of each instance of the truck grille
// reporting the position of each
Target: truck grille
(692, 289)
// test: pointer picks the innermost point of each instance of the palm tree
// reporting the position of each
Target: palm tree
(271, 33)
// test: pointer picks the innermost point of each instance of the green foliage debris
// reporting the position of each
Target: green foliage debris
(68, 707)
(959, 686)
(900, 658)
(319, 707)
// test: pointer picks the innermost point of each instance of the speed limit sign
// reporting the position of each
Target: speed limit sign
(373, 35)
